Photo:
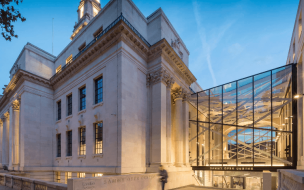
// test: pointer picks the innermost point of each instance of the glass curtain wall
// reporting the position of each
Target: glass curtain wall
(246, 123)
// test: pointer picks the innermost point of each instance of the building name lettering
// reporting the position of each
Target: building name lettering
(231, 168)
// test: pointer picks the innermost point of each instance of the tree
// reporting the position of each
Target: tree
(8, 15)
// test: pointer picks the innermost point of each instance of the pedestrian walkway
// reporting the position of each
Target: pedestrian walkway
(192, 187)
(5, 188)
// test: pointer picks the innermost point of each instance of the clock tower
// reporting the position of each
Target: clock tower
(87, 10)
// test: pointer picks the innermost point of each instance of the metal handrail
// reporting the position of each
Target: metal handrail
(121, 17)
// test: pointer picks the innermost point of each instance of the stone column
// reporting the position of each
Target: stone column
(178, 98)
(11, 139)
(168, 120)
(159, 125)
(1, 137)
(186, 97)
(15, 140)
(5, 139)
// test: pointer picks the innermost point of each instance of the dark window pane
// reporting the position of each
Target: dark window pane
(98, 90)
(83, 98)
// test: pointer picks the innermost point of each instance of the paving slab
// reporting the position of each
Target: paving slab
(5, 188)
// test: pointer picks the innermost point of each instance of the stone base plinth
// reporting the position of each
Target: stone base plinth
(290, 180)
(147, 181)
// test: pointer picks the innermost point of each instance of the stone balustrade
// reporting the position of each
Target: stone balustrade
(23, 183)
(290, 180)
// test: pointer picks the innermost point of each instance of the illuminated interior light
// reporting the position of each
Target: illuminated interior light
(297, 96)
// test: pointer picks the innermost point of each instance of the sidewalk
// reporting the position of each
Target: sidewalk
(5, 188)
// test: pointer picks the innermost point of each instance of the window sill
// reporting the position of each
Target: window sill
(97, 155)
(68, 158)
(82, 111)
(81, 156)
(58, 121)
(97, 105)
(58, 158)
(69, 117)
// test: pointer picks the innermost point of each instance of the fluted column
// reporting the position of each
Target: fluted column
(5, 139)
(168, 120)
(178, 98)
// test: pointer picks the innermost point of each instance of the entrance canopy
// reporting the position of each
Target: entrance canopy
(248, 124)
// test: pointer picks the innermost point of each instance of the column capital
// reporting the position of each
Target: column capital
(177, 93)
(5, 116)
(16, 105)
(161, 75)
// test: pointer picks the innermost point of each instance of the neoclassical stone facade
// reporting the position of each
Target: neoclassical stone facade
(114, 101)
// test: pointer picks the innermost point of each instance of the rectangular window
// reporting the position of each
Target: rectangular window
(82, 150)
(69, 143)
(82, 98)
(59, 110)
(95, 11)
(81, 11)
(70, 105)
(300, 25)
(68, 175)
(98, 32)
(98, 90)
(59, 145)
(69, 59)
(82, 47)
(98, 137)
(98, 175)
(294, 50)
(81, 175)
(58, 69)
(58, 177)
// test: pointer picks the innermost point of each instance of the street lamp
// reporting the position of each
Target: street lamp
(297, 96)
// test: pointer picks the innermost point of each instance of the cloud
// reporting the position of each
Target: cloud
(211, 44)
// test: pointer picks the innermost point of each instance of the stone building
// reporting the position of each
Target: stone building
(114, 101)
(120, 99)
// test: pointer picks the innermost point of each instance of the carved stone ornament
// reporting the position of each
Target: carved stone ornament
(16, 105)
(6, 115)
(176, 46)
(1, 122)
(177, 93)
(158, 76)
(186, 96)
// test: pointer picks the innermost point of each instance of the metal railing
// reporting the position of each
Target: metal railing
(121, 17)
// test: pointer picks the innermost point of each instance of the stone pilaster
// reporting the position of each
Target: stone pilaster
(168, 120)
(179, 130)
(1, 137)
(186, 97)
(159, 101)
(5, 139)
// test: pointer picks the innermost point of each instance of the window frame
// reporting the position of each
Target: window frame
(59, 110)
(58, 140)
(58, 69)
(98, 149)
(82, 141)
(82, 98)
(96, 88)
(69, 59)
(69, 104)
(69, 143)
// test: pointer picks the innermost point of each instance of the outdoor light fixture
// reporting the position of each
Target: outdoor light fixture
(298, 96)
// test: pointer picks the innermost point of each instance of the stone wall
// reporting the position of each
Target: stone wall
(290, 180)
(131, 182)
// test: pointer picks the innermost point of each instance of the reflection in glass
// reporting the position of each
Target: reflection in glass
(244, 123)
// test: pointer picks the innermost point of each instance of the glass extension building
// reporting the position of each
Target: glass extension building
(244, 127)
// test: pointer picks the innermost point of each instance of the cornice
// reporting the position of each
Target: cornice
(17, 80)
(122, 32)
(168, 53)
